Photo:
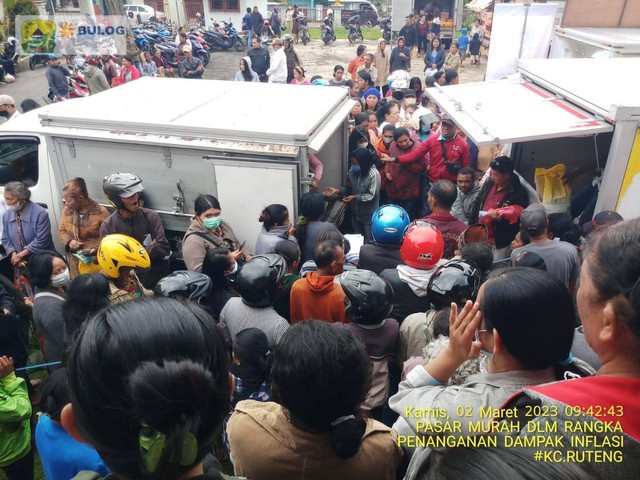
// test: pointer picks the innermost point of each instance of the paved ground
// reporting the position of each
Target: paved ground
(317, 59)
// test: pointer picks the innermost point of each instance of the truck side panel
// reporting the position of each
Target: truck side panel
(161, 168)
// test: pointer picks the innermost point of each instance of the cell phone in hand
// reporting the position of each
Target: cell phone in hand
(242, 245)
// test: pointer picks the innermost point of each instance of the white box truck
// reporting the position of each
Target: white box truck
(245, 143)
(571, 111)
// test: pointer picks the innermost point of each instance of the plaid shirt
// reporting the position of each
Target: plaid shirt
(242, 392)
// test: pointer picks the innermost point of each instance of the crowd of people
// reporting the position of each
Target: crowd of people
(308, 358)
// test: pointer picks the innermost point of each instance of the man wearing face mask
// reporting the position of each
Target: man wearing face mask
(8, 108)
(448, 153)
(123, 190)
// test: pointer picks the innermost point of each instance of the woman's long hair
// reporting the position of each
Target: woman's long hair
(246, 73)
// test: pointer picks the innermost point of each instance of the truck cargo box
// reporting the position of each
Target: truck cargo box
(246, 143)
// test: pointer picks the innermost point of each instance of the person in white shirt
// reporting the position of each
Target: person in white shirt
(278, 69)
(8, 107)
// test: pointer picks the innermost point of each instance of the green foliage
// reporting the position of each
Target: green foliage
(341, 33)
(13, 8)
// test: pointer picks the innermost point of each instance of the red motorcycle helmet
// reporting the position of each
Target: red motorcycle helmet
(422, 245)
(266, 23)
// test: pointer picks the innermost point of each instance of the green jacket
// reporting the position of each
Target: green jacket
(15, 415)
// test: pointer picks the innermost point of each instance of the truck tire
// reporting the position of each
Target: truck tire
(238, 44)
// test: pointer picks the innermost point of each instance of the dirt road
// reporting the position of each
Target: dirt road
(319, 59)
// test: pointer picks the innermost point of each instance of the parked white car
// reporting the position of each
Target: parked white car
(145, 11)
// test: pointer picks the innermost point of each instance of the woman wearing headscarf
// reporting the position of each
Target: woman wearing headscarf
(246, 74)
(381, 62)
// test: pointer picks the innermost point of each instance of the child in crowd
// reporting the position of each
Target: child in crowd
(250, 370)
(62, 456)
(463, 44)
(474, 49)
(16, 455)
(369, 301)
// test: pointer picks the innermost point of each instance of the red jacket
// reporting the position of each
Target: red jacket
(405, 178)
(457, 152)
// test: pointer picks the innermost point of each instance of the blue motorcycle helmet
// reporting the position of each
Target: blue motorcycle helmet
(389, 223)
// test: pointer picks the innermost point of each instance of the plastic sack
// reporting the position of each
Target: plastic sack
(554, 194)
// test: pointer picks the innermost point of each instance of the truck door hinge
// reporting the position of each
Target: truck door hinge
(166, 152)
(72, 147)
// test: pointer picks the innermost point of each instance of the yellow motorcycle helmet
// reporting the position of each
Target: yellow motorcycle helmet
(117, 251)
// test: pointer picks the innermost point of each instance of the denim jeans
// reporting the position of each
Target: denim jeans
(249, 34)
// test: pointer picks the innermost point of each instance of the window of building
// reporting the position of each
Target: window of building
(224, 5)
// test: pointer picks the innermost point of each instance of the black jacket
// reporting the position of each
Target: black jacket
(257, 21)
(410, 34)
(259, 60)
(406, 302)
(378, 257)
(504, 232)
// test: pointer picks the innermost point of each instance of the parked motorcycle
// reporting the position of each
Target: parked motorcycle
(355, 32)
(267, 35)
(38, 59)
(328, 34)
(385, 29)
(234, 36)
(77, 85)
(199, 50)
(303, 30)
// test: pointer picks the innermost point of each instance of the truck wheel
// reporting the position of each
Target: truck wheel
(238, 44)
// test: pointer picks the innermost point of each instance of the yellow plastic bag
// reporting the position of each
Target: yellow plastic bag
(552, 191)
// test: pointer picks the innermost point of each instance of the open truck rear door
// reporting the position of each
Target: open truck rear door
(513, 110)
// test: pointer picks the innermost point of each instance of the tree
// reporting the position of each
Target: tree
(15, 8)
(114, 7)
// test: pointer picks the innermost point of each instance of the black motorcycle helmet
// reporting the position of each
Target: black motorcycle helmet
(370, 296)
(257, 282)
(456, 281)
(183, 283)
(115, 184)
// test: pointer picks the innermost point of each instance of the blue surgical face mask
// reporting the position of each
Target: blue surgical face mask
(425, 129)
(355, 168)
(212, 223)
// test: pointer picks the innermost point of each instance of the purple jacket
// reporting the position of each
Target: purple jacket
(36, 229)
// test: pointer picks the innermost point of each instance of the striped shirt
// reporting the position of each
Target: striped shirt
(237, 316)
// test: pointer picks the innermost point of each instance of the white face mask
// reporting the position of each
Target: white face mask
(61, 280)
